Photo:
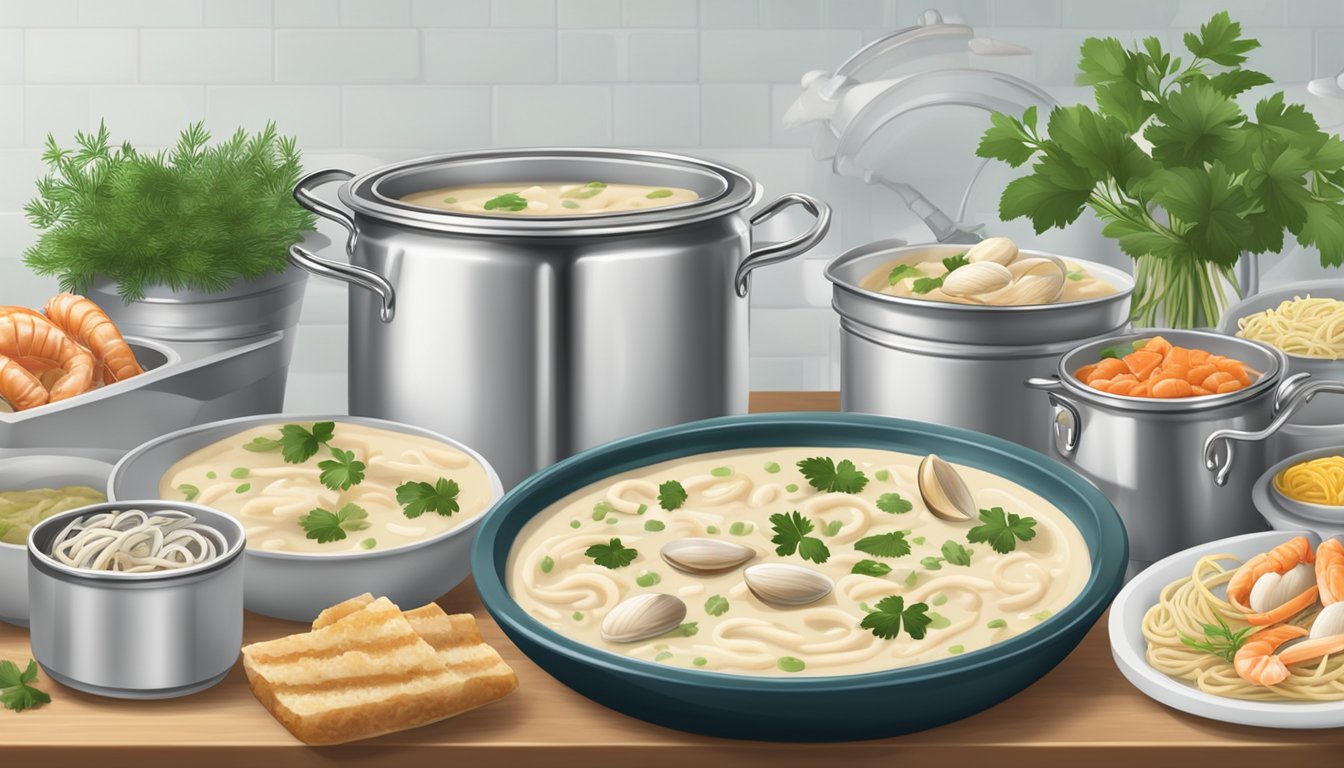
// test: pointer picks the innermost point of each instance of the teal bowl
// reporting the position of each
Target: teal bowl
(839, 708)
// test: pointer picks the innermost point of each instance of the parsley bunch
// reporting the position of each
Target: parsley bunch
(194, 217)
(1216, 181)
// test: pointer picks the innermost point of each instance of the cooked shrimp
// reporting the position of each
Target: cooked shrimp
(1256, 661)
(24, 336)
(1330, 571)
(89, 325)
(19, 387)
(1279, 560)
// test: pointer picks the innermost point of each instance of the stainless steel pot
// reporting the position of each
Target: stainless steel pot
(532, 338)
(136, 635)
(1148, 455)
(957, 364)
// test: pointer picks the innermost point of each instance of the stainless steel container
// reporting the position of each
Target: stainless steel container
(297, 585)
(1148, 455)
(958, 364)
(1285, 514)
(136, 635)
(531, 338)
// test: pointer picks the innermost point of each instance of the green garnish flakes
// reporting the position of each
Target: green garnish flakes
(721, 471)
(671, 495)
(871, 568)
(891, 544)
(939, 621)
(189, 491)
(574, 524)
(939, 599)
(716, 605)
(882, 475)
(243, 488)
(547, 564)
(417, 498)
(586, 191)
(601, 509)
(648, 579)
(956, 649)
(658, 194)
(894, 503)
(1002, 530)
(699, 661)
(824, 474)
(791, 536)
(712, 529)
(791, 488)
(912, 579)
(341, 471)
(324, 526)
(955, 554)
(892, 615)
(211, 475)
(901, 272)
(932, 563)
(577, 615)
(1219, 639)
(509, 201)
(663, 656)
(832, 528)
(790, 664)
(369, 543)
(612, 554)
(689, 629)
(568, 204)
(17, 692)
(772, 467)
(996, 624)
(654, 525)
(238, 473)
(740, 528)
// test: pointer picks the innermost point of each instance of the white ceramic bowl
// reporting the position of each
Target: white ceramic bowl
(298, 586)
(1128, 647)
(23, 473)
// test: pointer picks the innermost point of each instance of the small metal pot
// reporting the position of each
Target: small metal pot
(535, 337)
(1149, 455)
(136, 635)
(958, 364)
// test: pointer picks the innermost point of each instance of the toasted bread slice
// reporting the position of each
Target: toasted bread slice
(367, 672)
(340, 610)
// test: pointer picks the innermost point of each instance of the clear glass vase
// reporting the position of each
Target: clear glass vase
(1181, 292)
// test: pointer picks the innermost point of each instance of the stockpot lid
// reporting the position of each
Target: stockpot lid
(1268, 361)
(723, 189)
(947, 322)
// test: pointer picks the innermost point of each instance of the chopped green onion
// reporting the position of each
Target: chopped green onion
(211, 475)
(882, 475)
(642, 509)
(648, 579)
(654, 525)
(577, 615)
(771, 467)
(601, 509)
(547, 564)
(238, 473)
(244, 488)
(569, 204)
(939, 599)
(664, 656)
(189, 490)
(938, 621)
(790, 664)
(740, 528)
(956, 649)
(997, 624)
(574, 523)
(368, 543)
(721, 471)
(713, 529)
(911, 579)
(791, 487)
(699, 661)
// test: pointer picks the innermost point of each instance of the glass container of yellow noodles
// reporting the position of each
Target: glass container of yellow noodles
(33, 488)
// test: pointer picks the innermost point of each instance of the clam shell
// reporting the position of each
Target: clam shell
(977, 279)
(696, 555)
(643, 616)
(944, 492)
(1030, 289)
(1329, 622)
(1037, 265)
(787, 585)
(998, 250)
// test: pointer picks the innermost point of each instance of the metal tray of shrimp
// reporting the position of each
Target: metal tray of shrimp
(183, 384)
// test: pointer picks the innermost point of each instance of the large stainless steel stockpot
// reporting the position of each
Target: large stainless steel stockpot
(958, 364)
(136, 635)
(531, 338)
(1148, 455)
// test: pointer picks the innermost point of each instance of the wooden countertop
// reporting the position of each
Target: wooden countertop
(1082, 713)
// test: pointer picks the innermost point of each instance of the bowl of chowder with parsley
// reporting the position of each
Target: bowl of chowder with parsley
(332, 505)
(856, 576)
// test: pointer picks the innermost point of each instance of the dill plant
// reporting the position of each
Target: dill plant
(196, 217)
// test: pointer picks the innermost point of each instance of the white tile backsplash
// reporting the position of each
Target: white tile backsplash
(366, 82)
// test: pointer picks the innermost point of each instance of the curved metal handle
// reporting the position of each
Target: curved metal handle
(787, 249)
(1067, 431)
(1293, 393)
(358, 276)
(303, 193)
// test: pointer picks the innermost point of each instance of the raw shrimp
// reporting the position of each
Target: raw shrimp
(1279, 560)
(1330, 571)
(19, 387)
(24, 336)
(90, 326)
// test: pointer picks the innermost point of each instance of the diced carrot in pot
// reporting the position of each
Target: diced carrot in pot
(1231, 386)
(1086, 371)
(1122, 386)
(1199, 356)
(1168, 388)
(1158, 344)
(1215, 380)
(1199, 373)
(1111, 367)
(1143, 363)
(1198, 391)
(1177, 356)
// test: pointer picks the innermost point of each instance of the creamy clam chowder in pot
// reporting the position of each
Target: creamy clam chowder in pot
(550, 198)
(797, 561)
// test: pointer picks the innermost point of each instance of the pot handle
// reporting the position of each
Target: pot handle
(349, 273)
(1068, 422)
(1292, 393)
(787, 249)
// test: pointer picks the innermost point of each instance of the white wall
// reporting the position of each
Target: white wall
(363, 82)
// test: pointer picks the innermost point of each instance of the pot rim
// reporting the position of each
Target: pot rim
(1268, 381)
(895, 248)
(363, 194)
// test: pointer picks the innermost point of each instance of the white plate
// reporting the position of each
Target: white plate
(1128, 647)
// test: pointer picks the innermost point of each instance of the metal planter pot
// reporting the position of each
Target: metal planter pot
(533, 338)
(958, 364)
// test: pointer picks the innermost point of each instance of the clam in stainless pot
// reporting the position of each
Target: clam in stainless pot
(958, 364)
(152, 635)
(1149, 455)
(533, 337)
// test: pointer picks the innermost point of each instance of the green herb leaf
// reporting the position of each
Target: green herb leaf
(418, 497)
(612, 554)
(953, 263)
(1007, 139)
(341, 471)
(932, 563)
(825, 475)
(1052, 196)
(16, 691)
(689, 629)
(791, 536)
(509, 201)
(955, 554)
(892, 615)
(189, 491)
(671, 495)
(1196, 125)
(716, 605)
(894, 503)
(299, 443)
(901, 272)
(648, 579)
(926, 284)
(790, 664)
(325, 526)
(1002, 530)
(1220, 41)
(654, 525)
(586, 191)
(1075, 275)
(659, 194)
(262, 445)
(871, 568)
(568, 204)
(884, 545)
(1220, 640)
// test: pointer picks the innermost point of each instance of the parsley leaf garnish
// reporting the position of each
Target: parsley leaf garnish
(955, 554)
(871, 568)
(341, 471)
(791, 535)
(1220, 640)
(902, 271)
(262, 445)
(926, 284)
(716, 605)
(884, 545)
(16, 693)
(953, 263)
(894, 503)
(671, 495)
(416, 498)
(299, 444)
(825, 475)
(892, 614)
(1002, 530)
(509, 201)
(586, 191)
(325, 526)
(189, 491)
(612, 554)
